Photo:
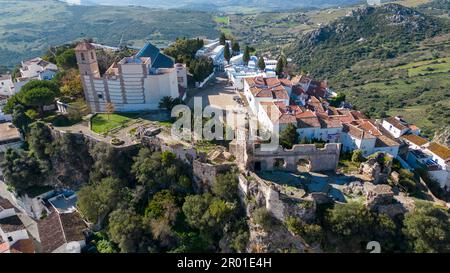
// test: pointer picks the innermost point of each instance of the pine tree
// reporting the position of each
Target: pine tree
(222, 39)
(246, 57)
(261, 63)
(227, 54)
(235, 47)
(280, 67)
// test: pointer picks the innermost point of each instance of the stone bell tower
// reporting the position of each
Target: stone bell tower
(89, 70)
(87, 60)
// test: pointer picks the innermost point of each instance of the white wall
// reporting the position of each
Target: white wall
(7, 213)
(392, 150)
(16, 235)
(6, 87)
(441, 176)
(394, 131)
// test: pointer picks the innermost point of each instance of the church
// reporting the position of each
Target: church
(135, 83)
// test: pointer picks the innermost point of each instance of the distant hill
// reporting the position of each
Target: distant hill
(368, 32)
(29, 27)
(388, 60)
(229, 5)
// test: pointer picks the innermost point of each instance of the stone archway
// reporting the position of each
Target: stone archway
(279, 164)
(257, 166)
(303, 165)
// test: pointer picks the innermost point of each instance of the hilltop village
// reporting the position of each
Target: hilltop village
(78, 126)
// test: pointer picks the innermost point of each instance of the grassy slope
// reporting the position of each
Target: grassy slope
(407, 86)
(28, 27)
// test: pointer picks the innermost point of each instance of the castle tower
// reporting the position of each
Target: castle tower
(89, 70)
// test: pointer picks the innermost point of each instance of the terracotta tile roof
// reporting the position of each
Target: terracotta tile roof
(287, 118)
(385, 141)
(286, 82)
(329, 123)
(23, 246)
(317, 89)
(308, 119)
(357, 114)
(10, 224)
(57, 229)
(396, 123)
(356, 132)
(5, 204)
(4, 247)
(439, 150)
(267, 88)
(51, 233)
(73, 226)
(417, 140)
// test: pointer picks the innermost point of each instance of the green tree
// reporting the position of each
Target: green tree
(235, 47)
(281, 64)
(38, 97)
(95, 201)
(310, 232)
(166, 103)
(352, 223)
(336, 101)
(357, 156)
(162, 204)
(261, 63)
(71, 85)
(127, 230)
(40, 140)
(289, 136)
(22, 170)
(201, 68)
(222, 39)
(11, 104)
(246, 57)
(427, 228)
(20, 119)
(225, 186)
(227, 54)
(67, 59)
(207, 213)
(263, 218)
(38, 94)
(157, 171)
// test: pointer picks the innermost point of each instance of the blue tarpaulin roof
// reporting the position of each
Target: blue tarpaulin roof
(158, 59)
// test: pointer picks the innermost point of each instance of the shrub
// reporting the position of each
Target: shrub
(117, 142)
(357, 156)
(264, 218)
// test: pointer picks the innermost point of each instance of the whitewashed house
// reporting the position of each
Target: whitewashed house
(6, 86)
(14, 237)
(398, 127)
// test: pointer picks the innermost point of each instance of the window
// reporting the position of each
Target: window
(100, 96)
(82, 57)
(10, 238)
(92, 55)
